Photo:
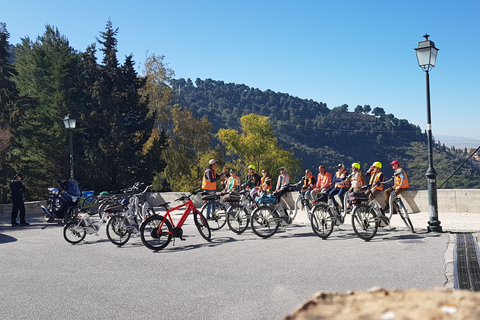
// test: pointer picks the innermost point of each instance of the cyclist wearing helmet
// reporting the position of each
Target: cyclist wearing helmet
(400, 183)
(252, 181)
(357, 178)
(341, 183)
(376, 176)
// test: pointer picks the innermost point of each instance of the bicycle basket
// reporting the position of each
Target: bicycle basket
(232, 197)
(114, 207)
(210, 196)
(357, 197)
(265, 199)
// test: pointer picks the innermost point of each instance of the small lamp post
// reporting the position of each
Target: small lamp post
(427, 56)
(69, 121)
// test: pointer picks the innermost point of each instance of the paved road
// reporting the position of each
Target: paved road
(231, 277)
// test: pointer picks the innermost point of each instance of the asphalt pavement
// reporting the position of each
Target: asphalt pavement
(231, 277)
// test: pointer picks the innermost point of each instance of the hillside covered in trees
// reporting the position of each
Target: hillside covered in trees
(319, 135)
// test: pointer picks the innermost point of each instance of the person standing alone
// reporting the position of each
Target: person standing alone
(17, 188)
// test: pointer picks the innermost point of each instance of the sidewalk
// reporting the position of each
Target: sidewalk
(449, 221)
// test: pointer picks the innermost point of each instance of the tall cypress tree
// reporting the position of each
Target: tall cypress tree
(118, 124)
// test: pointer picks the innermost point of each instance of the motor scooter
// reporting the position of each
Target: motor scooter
(62, 204)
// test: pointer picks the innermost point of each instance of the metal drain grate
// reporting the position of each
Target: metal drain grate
(467, 269)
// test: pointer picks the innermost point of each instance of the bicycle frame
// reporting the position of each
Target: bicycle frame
(190, 208)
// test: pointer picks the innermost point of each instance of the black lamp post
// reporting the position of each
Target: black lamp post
(427, 56)
(69, 121)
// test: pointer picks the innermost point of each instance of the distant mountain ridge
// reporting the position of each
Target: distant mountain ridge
(457, 142)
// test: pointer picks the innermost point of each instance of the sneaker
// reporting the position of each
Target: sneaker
(24, 223)
(15, 223)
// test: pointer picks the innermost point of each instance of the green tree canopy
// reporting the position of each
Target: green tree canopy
(256, 144)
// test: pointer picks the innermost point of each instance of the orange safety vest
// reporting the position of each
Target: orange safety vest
(207, 184)
(324, 181)
(374, 178)
(353, 178)
(262, 182)
(308, 181)
(236, 181)
(345, 183)
(405, 184)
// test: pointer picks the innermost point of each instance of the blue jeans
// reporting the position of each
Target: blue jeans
(341, 194)
(209, 208)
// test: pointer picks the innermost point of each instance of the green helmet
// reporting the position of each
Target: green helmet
(377, 164)
(356, 165)
(251, 167)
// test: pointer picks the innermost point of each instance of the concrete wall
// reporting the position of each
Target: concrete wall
(449, 200)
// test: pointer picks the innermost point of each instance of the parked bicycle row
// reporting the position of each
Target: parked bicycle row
(130, 214)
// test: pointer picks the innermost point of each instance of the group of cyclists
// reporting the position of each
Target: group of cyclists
(335, 185)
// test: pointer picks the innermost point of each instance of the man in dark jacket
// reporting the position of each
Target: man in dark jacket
(17, 188)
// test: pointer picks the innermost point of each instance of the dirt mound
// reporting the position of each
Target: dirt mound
(392, 304)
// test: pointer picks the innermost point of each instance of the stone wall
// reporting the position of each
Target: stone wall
(449, 200)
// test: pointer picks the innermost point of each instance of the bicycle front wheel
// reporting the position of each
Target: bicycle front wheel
(404, 214)
(72, 233)
(364, 223)
(117, 231)
(265, 221)
(237, 218)
(154, 237)
(322, 221)
(218, 214)
(202, 225)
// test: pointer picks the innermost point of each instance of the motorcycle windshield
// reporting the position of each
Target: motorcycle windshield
(72, 188)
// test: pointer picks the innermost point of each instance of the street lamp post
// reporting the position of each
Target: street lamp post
(69, 121)
(427, 56)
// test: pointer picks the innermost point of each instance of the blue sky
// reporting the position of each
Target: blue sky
(336, 52)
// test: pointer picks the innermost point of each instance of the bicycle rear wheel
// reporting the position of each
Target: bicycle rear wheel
(363, 222)
(73, 233)
(265, 221)
(117, 231)
(152, 236)
(322, 221)
(404, 214)
(237, 218)
(202, 225)
(218, 214)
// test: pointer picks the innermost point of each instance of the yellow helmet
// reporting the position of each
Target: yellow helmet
(251, 167)
(377, 164)
(356, 165)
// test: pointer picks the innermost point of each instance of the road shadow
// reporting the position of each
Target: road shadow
(6, 238)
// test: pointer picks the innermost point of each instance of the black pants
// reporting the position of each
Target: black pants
(18, 205)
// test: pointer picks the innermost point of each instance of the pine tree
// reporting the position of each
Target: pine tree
(8, 97)
(117, 122)
(45, 79)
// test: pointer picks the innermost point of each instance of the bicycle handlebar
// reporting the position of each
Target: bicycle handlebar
(187, 197)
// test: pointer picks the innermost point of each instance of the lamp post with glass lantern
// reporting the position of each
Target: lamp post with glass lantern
(427, 56)
(69, 121)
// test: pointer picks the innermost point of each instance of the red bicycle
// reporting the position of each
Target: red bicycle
(157, 231)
